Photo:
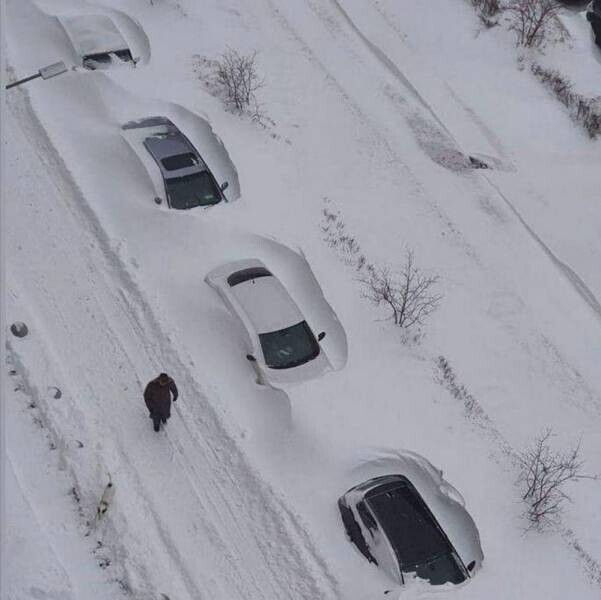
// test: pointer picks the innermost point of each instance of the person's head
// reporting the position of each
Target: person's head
(163, 379)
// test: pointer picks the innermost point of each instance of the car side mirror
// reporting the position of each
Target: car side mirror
(321, 336)
(251, 358)
(224, 186)
(158, 200)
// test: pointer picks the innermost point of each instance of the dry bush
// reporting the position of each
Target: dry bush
(336, 235)
(530, 19)
(544, 472)
(487, 10)
(408, 293)
(237, 75)
(458, 391)
(583, 110)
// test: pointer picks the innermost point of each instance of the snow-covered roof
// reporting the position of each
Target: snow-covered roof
(267, 304)
(93, 34)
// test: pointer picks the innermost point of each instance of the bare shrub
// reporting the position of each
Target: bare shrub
(408, 293)
(584, 111)
(337, 237)
(545, 472)
(588, 114)
(530, 19)
(237, 76)
(559, 85)
(457, 390)
(487, 10)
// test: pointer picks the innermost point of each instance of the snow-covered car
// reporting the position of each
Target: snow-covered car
(180, 175)
(413, 523)
(281, 344)
(97, 41)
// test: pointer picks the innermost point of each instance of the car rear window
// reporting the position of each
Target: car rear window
(179, 161)
(409, 525)
(290, 347)
(246, 275)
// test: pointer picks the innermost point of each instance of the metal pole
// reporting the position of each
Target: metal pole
(45, 73)
(14, 83)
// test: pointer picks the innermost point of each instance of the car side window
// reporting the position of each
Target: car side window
(366, 516)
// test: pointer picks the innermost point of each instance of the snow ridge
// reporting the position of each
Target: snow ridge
(220, 476)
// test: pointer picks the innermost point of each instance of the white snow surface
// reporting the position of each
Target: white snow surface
(375, 106)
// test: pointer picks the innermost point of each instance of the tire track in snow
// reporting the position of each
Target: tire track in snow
(59, 433)
(577, 283)
(378, 137)
(330, 24)
(591, 566)
(566, 271)
(390, 66)
(295, 568)
(42, 533)
(488, 134)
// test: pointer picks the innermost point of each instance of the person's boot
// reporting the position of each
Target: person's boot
(156, 419)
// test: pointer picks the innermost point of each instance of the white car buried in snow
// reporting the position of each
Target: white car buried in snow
(282, 345)
(97, 41)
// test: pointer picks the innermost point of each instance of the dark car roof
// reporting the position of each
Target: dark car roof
(414, 533)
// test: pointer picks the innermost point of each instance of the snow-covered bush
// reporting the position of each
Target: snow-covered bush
(458, 391)
(530, 19)
(407, 293)
(583, 110)
(338, 238)
(238, 77)
(544, 473)
(487, 10)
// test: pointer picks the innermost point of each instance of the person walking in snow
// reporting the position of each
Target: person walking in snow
(157, 396)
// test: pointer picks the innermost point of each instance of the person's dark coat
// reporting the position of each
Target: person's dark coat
(157, 396)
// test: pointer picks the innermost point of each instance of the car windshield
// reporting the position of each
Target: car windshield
(179, 161)
(189, 191)
(289, 347)
(418, 542)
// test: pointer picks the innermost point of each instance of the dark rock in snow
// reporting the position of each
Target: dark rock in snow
(477, 163)
(55, 392)
(19, 329)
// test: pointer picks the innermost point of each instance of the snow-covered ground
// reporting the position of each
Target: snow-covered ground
(375, 107)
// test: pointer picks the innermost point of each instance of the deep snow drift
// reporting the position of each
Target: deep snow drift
(375, 109)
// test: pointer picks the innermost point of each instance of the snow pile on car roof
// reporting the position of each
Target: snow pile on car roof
(93, 34)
